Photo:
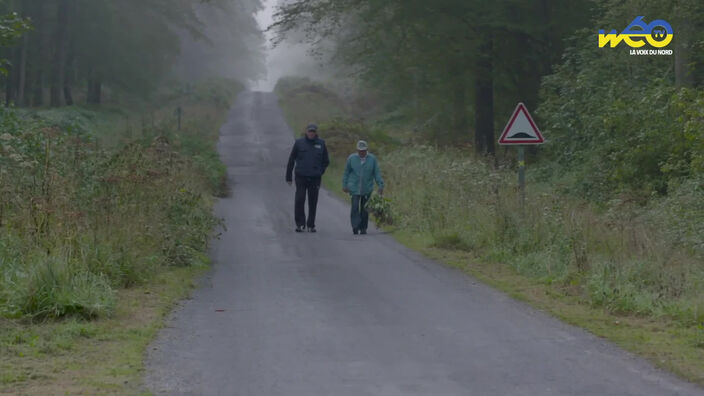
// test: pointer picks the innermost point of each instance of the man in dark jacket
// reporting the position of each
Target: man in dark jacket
(310, 157)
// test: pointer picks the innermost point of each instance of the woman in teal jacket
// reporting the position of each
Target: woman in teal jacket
(361, 172)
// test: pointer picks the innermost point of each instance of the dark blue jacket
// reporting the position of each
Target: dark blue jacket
(310, 157)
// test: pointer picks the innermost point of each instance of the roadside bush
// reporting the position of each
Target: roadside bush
(79, 220)
(618, 260)
(53, 286)
(615, 124)
(380, 207)
(681, 215)
(187, 227)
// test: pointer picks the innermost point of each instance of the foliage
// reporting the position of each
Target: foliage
(622, 263)
(126, 48)
(681, 215)
(12, 26)
(79, 220)
(97, 356)
(380, 207)
(306, 101)
(229, 44)
(432, 60)
(618, 126)
(614, 132)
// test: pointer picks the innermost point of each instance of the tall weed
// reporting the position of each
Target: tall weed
(79, 218)
(621, 258)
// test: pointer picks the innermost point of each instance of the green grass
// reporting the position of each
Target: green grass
(81, 217)
(102, 356)
(614, 272)
(668, 345)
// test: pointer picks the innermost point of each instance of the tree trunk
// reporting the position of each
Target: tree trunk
(416, 95)
(42, 55)
(460, 107)
(28, 87)
(484, 98)
(10, 54)
(22, 84)
(12, 78)
(683, 52)
(70, 59)
(98, 92)
(68, 95)
(8, 80)
(94, 91)
(59, 70)
(54, 93)
(38, 97)
(89, 92)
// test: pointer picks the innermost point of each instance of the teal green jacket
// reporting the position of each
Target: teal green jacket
(358, 178)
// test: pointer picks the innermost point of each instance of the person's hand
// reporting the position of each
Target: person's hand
(381, 191)
(345, 189)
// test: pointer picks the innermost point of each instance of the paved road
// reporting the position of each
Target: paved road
(337, 314)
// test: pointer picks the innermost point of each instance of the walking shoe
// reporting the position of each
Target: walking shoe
(363, 232)
(311, 229)
(300, 228)
(355, 231)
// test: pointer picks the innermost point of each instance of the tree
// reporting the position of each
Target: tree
(60, 52)
(129, 46)
(458, 55)
(12, 26)
(229, 44)
(622, 123)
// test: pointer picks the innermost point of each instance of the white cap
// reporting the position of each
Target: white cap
(362, 145)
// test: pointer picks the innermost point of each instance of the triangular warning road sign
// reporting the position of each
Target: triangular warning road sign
(521, 128)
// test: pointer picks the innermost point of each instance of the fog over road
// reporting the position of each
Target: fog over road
(338, 314)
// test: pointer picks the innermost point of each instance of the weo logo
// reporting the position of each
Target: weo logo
(657, 33)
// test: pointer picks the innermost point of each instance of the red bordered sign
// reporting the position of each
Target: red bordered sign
(521, 129)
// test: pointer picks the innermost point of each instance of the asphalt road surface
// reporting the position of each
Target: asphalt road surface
(337, 314)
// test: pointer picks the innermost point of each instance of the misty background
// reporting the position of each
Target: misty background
(291, 57)
(238, 46)
(61, 52)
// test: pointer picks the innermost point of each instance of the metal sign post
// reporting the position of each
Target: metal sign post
(521, 131)
(522, 174)
(179, 114)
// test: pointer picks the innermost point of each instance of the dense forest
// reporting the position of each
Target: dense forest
(458, 68)
(614, 121)
(76, 50)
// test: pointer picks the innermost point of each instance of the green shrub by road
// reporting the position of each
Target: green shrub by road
(96, 203)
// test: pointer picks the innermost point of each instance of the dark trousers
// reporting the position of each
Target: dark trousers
(310, 186)
(359, 215)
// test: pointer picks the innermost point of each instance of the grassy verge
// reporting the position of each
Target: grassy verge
(667, 344)
(103, 356)
(105, 219)
(610, 271)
